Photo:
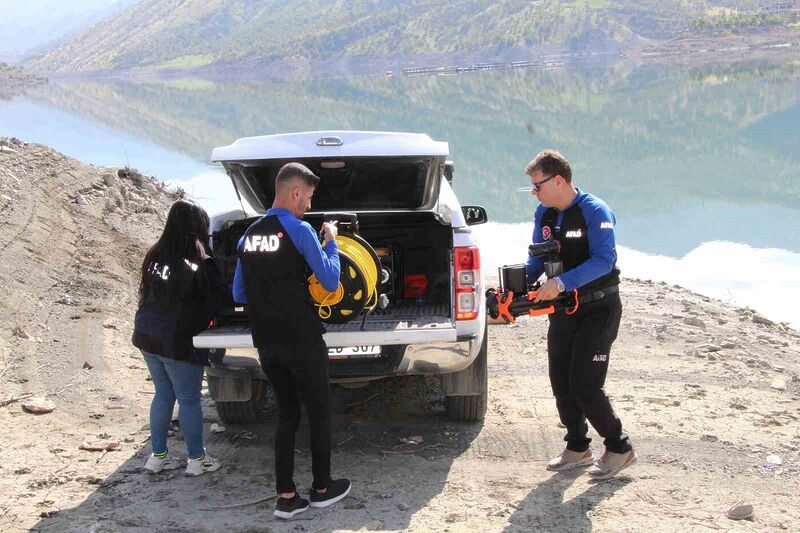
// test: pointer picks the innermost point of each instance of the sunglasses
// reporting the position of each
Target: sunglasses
(535, 186)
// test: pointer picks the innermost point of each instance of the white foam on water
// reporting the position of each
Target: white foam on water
(765, 279)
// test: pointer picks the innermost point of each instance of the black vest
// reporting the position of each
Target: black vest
(276, 280)
(572, 234)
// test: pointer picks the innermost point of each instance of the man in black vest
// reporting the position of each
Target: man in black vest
(276, 254)
(579, 344)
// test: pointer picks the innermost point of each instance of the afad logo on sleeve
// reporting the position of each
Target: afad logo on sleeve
(547, 233)
(263, 243)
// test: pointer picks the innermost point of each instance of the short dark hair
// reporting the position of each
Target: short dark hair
(296, 170)
(552, 163)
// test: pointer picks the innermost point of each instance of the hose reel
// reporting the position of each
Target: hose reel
(359, 279)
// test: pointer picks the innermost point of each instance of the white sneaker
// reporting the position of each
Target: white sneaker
(611, 464)
(569, 460)
(154, 465)
(196, 468)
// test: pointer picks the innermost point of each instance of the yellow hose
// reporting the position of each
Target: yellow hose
(366, 267)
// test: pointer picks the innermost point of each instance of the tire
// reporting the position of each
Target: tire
(245, 412)
(472, 408)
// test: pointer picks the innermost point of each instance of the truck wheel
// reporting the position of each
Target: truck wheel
(245, 412)
(472, 408)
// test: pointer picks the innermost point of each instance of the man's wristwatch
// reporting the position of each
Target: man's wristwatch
(560, 284)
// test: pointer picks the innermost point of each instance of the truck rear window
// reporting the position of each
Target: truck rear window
(354, 183)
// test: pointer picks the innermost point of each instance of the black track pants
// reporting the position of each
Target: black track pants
(299, 372)
(578, 349)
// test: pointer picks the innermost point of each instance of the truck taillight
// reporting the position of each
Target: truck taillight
(467, 263)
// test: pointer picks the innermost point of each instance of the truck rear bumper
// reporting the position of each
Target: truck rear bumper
(397, 360)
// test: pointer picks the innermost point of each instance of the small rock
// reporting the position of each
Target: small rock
(525, 413)
(774, 460)
(38, 405)
(80, 200)
(662, 401)
(737, 404)
(66, 299)
(109, 180)
(758, 319)
(87, 366)
(709, 438)
(740, 511)
(778, 384)
(216, 428)
(403, 507)
(100, 446)
(414, 439)
(694, 321)
(709, 348)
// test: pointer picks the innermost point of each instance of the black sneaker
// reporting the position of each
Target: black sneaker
(337, 490)
(286, 508)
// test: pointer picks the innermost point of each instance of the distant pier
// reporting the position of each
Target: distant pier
(445, 70)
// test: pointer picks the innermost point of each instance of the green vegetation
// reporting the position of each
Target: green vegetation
(191, 33)
(734, 21)
(185, 62)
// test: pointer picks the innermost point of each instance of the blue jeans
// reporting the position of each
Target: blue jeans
(182, 381)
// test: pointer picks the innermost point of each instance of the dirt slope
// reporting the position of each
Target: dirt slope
(709, 394)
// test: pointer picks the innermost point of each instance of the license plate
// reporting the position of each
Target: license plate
(354, 352)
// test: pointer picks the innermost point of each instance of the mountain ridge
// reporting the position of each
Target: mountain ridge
(183, 34)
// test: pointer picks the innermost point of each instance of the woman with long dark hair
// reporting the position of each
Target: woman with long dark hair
(178, 292)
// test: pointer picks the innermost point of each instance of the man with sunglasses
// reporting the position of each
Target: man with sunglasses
(579, 344)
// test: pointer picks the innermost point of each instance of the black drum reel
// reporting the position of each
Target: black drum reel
(359, 279)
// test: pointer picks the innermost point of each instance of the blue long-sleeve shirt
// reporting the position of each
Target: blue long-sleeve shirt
(600, 223)
(324, 262)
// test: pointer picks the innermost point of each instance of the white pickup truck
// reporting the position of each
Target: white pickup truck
(399, 187)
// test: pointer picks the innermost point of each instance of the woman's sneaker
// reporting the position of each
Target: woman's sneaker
(337, 490)
(286, 508)
(154, 465)
(196, 467)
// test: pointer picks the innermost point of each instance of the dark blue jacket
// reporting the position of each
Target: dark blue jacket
(595, 224)
(166, 328)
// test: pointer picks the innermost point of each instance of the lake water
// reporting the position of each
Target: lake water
(700, 163)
